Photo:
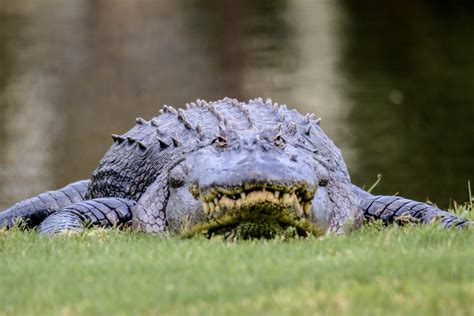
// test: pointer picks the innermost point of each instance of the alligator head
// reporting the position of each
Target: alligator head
(248, 184)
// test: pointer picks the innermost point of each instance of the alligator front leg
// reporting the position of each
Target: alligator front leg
(31, 212)
(149, 213)
(102, 212)
(397, 209)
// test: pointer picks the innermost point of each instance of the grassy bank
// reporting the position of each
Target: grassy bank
(396, 270)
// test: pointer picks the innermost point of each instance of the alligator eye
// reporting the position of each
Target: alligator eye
(220, 141)
(279, 141)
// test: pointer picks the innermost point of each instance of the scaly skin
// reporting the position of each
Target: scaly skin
(251, 169)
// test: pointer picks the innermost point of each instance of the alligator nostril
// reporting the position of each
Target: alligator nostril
(249, 142)
(323, 182)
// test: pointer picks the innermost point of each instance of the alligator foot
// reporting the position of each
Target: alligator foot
(395, 209)
(103, 212)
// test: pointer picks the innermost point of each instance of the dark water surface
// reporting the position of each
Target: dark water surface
(392, 80)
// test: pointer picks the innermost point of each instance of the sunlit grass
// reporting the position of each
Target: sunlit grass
(397, 270)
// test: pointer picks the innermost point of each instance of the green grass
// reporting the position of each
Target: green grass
(396, 270)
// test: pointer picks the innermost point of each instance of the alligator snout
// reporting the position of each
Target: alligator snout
(234, 187)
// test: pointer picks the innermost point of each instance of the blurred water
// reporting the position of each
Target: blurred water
(393, 83)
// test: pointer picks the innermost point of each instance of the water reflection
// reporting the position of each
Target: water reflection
(392, 85)
(29, 115)
(409, 86)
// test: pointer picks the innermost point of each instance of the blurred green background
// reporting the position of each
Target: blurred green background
(392, 80)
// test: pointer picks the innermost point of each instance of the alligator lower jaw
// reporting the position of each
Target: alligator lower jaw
(256, 214)
(258, 221)
(258, 229)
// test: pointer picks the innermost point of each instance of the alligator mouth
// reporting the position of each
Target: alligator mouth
(221, 199)
(257, 210)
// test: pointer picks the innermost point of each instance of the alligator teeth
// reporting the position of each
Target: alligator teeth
(205, 207)
(307, 207)
(299, 210)
(211, 207)
(286, 198)
(219, 202)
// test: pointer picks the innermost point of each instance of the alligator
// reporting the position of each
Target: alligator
(223, 168)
